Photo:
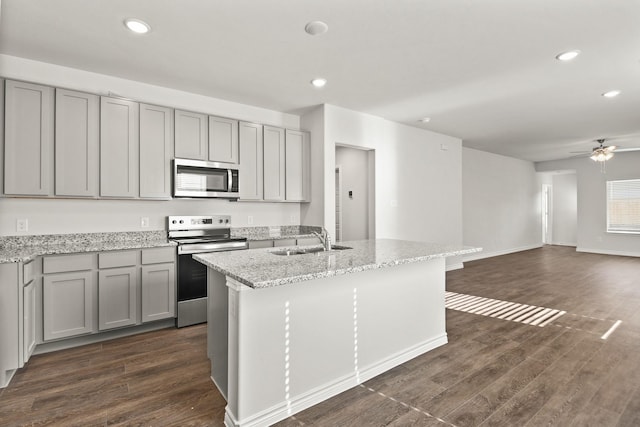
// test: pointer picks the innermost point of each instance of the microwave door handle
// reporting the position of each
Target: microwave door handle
(229, 180)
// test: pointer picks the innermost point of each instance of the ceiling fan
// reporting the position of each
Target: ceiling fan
(602, 152)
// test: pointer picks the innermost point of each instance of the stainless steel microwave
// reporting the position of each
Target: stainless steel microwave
(197, 178)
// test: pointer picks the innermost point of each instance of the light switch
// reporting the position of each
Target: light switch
(144, 222)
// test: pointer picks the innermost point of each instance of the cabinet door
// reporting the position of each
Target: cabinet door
(76, 143)
(29, 324)
(156, 150)
(297, 166)
(250, 178)
(191, 135)
(67, 304)
(223, 140)
(28, 151)
(274, 164)
(117, 297)
(158, 291)
(119, 148)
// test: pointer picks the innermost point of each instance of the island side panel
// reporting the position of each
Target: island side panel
(293, 346)
(217, 329)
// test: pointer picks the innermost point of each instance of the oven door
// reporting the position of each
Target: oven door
(194, 178)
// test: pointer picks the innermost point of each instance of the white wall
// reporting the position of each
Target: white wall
(592, 233)
(501, 204)
(313, 213)
(55, 216)
(564, 209)
(353, 164)
(418, 185)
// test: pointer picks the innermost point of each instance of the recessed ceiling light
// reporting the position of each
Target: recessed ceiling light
(425, 120)
(611, 94)
(319, 82)
(137, 26)
(567, 56)
(315, 28)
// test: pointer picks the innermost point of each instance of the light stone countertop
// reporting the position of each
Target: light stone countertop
(27, 248)
(280, 232)
(259, 268)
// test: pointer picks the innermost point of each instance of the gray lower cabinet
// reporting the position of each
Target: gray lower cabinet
(191, 135)
(9, 322)
(297, 166)
(156, 151)
(223, 140)
(67, 304)
(28, 139)
(251, 161)
(77, 143)
(119, 148)
(274, 164)
(158, 291)
(117, 297)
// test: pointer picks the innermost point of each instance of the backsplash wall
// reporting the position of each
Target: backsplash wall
(64, 216)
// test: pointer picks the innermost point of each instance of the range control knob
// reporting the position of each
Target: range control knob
(181, 222)
(174, 222)
(220, 220)
(227, 221)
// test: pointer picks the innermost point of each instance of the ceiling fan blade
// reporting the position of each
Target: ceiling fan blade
(579, 152)
(610, 148)
(623, 150)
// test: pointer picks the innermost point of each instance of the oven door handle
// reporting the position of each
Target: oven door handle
(198, 248)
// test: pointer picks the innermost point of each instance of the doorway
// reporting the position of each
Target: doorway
(546, 214)
(355, 193)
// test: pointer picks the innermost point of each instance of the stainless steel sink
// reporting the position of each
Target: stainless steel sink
(302, 251)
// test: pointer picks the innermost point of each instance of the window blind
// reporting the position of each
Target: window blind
(623, 206)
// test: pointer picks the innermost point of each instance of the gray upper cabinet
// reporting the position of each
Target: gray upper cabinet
(156, 151)
(223, 140)
(76, 143)
(274, 164)
(28, 139)
(119, 148)
(251, 161)
(191, 135)
(297, 166)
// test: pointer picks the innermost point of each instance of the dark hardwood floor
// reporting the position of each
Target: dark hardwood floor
(492, 373)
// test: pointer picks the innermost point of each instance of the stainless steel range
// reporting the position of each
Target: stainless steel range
(195, 235)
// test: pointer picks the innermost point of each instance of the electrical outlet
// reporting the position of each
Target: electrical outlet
(22, 225)
(250, 219)
(144, 222)
(292, 219)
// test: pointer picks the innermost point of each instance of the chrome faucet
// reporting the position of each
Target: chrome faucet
(325, 239)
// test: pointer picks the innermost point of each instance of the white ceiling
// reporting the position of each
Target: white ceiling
(484, 71)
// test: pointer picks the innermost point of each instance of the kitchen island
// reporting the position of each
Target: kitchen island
(286, 332)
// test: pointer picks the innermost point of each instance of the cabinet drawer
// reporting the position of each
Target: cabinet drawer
(117, 259)
(27, 272)
(284, 242)
(63, 263)
(308, 241)
(256, 244)
(157, 256)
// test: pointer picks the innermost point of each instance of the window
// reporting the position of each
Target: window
(623, 206)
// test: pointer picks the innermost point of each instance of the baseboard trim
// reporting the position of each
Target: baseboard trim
(565, 244)
(483, 255)
(320, 394)
(66, 343)
(608, 252)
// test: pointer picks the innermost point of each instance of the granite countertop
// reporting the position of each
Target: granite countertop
(259, 268)
(27, 248)
(275, 232)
